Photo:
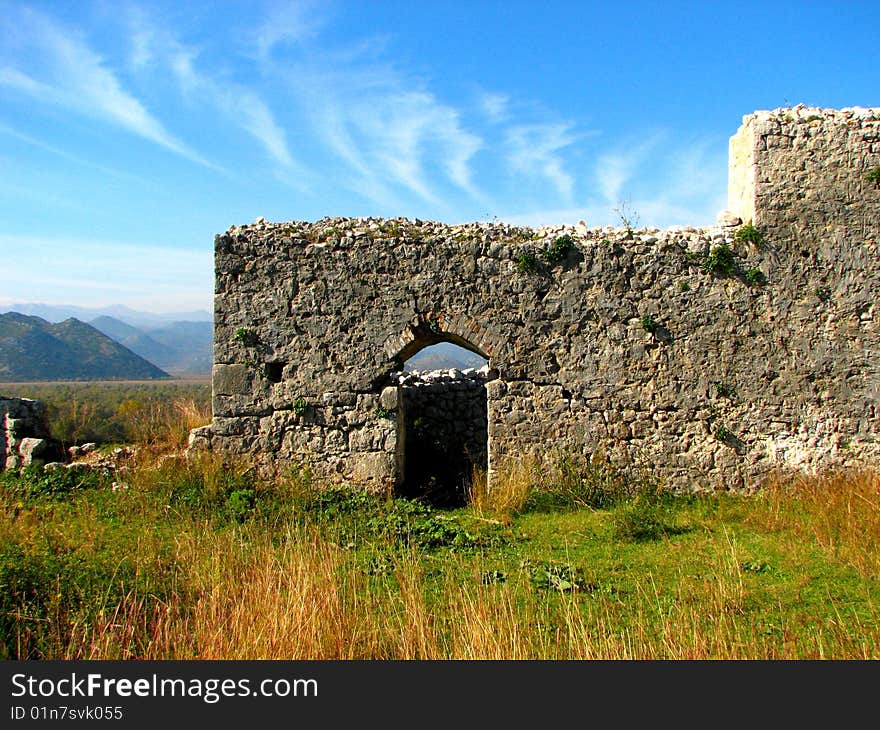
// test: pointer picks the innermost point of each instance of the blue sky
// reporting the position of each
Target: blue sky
(131, 133)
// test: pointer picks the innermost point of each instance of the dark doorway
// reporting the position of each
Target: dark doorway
(445, 431)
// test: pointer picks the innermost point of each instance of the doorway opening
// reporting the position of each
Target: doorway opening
(444, 423)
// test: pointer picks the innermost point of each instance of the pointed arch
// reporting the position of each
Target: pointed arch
(432, 328)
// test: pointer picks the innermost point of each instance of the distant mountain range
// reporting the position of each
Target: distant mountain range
(177, 342)
(133, 317)
(33, 349)
(179, 347)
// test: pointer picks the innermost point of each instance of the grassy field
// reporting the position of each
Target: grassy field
(196, 559)
(121, 411)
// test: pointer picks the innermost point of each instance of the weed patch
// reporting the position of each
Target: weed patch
(32, 483)
(560, 577)
(574, 481)
(643, 519)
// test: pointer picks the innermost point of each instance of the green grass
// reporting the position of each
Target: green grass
(200, 560)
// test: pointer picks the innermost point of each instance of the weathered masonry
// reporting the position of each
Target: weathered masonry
(708, 356)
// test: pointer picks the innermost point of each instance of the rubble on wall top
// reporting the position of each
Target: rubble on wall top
(325, 230)
(806, 114)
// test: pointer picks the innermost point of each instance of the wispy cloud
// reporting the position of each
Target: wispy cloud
(39, 144)
(615, 168)
(76, 78)
(494, 106)
(157, 47)
(691, 171)
(411, 130)
(395, 135)
(241, 105)
(533, 151)
(288, 23)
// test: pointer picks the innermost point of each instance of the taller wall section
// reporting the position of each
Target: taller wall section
(705, 358)
(803, 175)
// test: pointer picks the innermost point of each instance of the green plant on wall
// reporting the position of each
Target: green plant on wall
(559, 249)
(874, 175)
(649, 324)
(300, 406)
(720, 261)
(748, 234)
(755, 277)
(722, 432)
(526, 263)
(242, 335)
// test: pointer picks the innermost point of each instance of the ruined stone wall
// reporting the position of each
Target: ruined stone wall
(25, 437)
(803, 176)
(706, 359)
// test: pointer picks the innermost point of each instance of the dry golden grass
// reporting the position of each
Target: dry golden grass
(163, 425)
(308, 599)
(511, 484)
(841, 512)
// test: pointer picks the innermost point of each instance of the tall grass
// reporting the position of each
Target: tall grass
(197, 559)
(839, 511)
(308, 599)
(511, 485)
(163, 424)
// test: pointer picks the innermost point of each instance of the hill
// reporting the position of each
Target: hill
(33, 349)
(184, 347)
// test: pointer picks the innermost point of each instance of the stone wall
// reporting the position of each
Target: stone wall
(704, 357)
(25, 437)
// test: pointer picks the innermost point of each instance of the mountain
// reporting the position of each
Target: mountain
(33, 349)
(194, 341)
(134, 317)
(444, 356)
(180, 347)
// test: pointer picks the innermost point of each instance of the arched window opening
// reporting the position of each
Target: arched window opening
(444, 423)
(444, 356)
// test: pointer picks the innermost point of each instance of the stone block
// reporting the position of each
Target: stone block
(390, 397)
(372, 466)
(233, 379)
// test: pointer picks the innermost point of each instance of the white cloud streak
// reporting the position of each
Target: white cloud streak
(396, 136)
(494, 106)
(287, 23)
(39, 144)
(244, 107)
(614, 169)
(77, 78)
(156, 47)
(691, 171)
(533, 150)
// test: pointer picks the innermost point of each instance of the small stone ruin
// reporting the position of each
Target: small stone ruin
(26, 437)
